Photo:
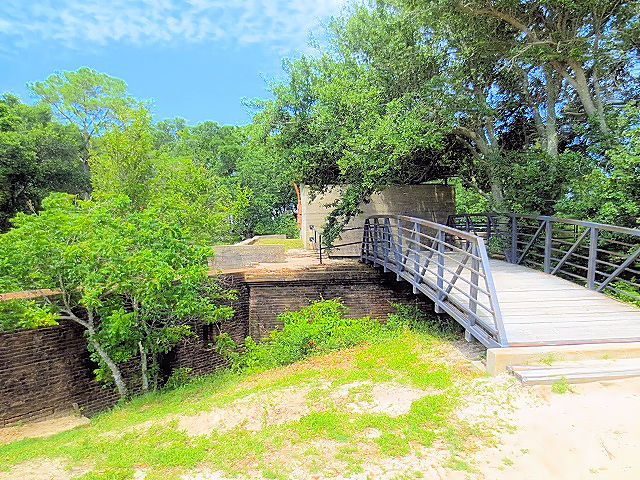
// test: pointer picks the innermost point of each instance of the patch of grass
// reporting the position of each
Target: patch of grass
(288, 243)
(560, 386)
(457, 464)
(507, 461)
(548, 359)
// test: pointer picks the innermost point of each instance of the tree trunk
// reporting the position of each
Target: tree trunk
(551, 131)
(143, 368)
(115, 371)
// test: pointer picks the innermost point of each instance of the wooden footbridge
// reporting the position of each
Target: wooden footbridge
(517, 281)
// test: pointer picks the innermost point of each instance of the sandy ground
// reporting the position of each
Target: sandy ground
(592, 431)
(44, 428)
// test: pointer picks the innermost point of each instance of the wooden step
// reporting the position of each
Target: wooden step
(579, 371)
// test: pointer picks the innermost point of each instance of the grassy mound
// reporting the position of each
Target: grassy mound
(365, 395)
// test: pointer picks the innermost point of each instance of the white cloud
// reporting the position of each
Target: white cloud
(281, 23)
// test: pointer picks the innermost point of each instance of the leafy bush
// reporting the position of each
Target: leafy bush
(409, 316)
(179, 377)
(321, 327)
(18, 314)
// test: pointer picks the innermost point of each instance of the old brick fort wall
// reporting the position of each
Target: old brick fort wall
(45, 371)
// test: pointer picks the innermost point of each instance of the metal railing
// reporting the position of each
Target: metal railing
(448, 265)
(605, 258)
(317, 242)
(483, 224)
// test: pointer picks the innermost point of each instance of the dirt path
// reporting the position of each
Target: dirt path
(592, 432)
(44, 428)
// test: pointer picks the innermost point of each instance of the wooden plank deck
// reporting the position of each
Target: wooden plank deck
(539, 308)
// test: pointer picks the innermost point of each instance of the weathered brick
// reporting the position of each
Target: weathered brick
(43, 372)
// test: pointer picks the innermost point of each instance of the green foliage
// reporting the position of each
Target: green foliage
(90, 100)
(122, 161)
(37, 156)
(132, 278)
(560, 386)
(243, 167)
(510, 99)
(469, 199)
(321, 327)
(625, 292)
(143, 431)
(179, 377)
(609, 191)
(19, 314)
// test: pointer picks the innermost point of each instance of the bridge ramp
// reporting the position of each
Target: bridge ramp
(539, 308)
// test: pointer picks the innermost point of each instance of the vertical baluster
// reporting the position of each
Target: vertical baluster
(386, 241)
(375, 239)
(398, 250)
(364, 247)
(416, 256)
(440, 278)
(514, 239)
(548, 234)
(593, 256)
(473, 287)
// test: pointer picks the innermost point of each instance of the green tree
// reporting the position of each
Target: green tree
(609, 192)
(37, 156)
(134, 280)
(122, 158)
(91, 100)
(243, 166)
(367, 114)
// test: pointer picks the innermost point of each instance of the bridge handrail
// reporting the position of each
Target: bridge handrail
(459, 280)
(582, 223)
(603, 257)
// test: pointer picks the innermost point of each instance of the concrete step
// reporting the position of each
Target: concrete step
(578, 371)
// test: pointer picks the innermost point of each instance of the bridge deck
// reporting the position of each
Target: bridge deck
(538, 308)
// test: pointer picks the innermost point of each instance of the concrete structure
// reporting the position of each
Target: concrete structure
(431, 202)
(246, 253)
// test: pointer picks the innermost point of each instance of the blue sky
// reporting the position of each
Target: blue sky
(197, 59)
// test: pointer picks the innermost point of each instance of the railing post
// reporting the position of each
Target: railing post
(548, 233)
(398, 250)
(514, 239)
(363, 245)
(375, 239)
(440, 278)
(386, 241)
(593, 255)
(473, 287)
(416, 256)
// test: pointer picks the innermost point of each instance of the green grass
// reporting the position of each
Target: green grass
(288, 243)
(560, 386)
(111, 447)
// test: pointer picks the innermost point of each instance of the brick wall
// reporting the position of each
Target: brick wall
(43, 372)
(362, 290)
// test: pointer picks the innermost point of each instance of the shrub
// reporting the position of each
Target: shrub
(321, 327)
(412, 317)
(178, 378)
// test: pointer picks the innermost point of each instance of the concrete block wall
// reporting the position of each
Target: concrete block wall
(431, 202)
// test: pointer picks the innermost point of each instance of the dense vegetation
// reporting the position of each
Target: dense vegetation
(530, 106)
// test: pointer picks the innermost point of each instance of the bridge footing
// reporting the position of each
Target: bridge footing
(498, 359)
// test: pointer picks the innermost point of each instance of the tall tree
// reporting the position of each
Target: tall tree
(91, 100)
(37, 156)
